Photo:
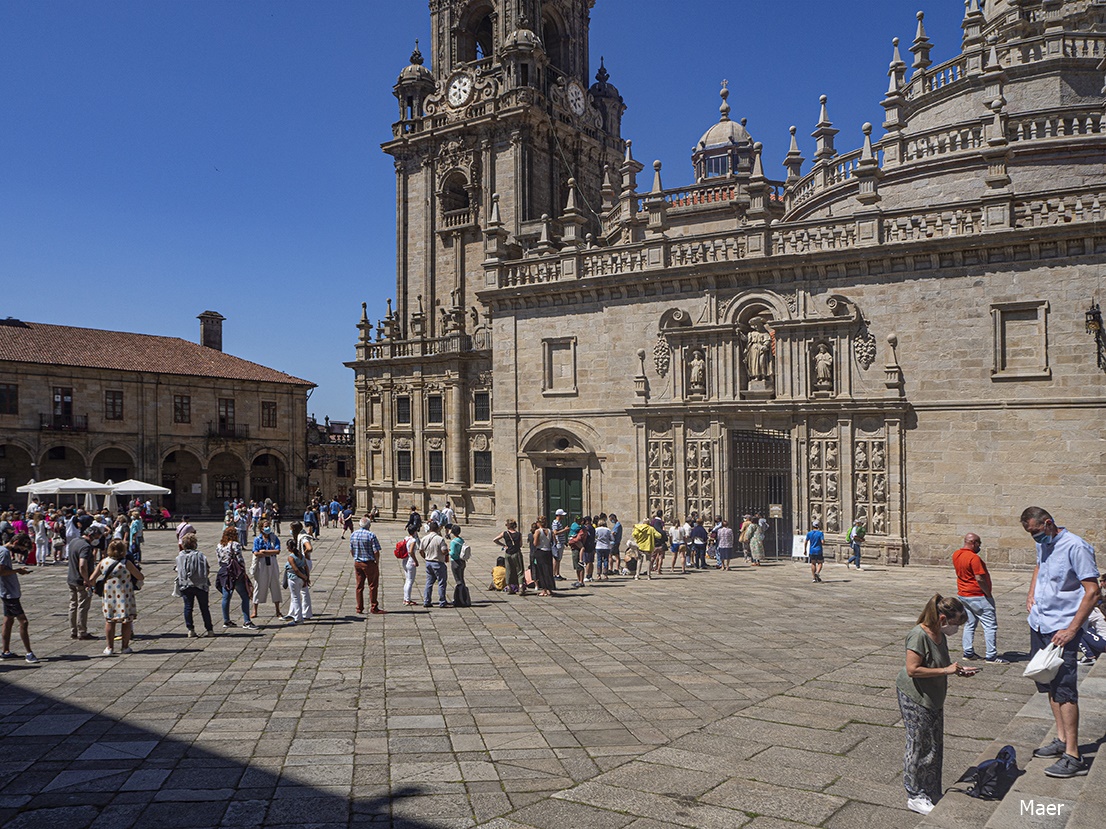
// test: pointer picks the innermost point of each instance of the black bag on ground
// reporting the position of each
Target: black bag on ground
(991, 779)
(461, 597)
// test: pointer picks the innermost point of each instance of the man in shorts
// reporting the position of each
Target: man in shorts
(10, 595)
(814, 549)
(560, 539)
(1061, 596)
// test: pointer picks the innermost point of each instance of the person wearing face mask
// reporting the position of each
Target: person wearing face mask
(922, 685)
(1062, 594)
(267, 570)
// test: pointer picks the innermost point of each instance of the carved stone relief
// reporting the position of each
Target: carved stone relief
(699, 462)
(870, 487)
(864, 347)
(661, 460)
(662, 356)
(822, 368)
(823, 487)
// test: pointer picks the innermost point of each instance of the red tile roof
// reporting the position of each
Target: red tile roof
(63, 345)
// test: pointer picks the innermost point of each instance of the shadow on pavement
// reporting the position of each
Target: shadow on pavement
(64, 766)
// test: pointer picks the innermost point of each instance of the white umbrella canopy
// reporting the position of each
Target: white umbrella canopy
(80, 486)
(33, 487)
(133, 487)
(110, 502)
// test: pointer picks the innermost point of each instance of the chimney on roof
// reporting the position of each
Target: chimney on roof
(211, 329)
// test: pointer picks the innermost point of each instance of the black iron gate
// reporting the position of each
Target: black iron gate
(761, 467)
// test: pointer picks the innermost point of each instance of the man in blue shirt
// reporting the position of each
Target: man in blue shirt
(1061, 596)
(365, 549)
(814, 550)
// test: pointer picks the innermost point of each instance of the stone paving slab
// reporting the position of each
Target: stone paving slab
(750, 698)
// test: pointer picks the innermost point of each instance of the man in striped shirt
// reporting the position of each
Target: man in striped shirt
(365, 549)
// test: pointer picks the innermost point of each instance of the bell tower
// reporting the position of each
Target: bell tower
(501, 147)
(505, 109)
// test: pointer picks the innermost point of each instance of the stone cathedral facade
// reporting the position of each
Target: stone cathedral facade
(905, 333)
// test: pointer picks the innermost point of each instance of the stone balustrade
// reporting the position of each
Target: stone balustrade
(935, 78)
(1063, 123)
(793, 238)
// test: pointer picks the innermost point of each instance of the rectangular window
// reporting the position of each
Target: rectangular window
(268, 414)
(341, 469)
(113, 405)
(437, 467)
(481, 467)
(482, 407)
(9, 398)
(226, 415)
(182, 408)
(3, 486)
(434, 411)
(717, 166)
(403, 410)
(403, 465)
(226, 490)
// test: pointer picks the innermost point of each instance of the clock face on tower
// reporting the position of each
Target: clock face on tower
(460, 89)
(576, 99)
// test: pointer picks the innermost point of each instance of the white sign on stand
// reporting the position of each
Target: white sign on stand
(798, 547)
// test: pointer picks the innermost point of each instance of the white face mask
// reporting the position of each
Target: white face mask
(950, 630)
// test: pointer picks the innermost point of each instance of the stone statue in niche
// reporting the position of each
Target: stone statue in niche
(831, 487)
(833, 519)
(704, 456)
(693, 455)
(654, 481)
(669, 478)
(693, 487)
(758, 351)
(816, 514)
(877, 456)
(816, 487)
(862, 513)
(823, 368)
(708, 485)
(654, 455)
(879, 521)
(697, 373)
(862, 487)
(879, 488)
(831, 455)
(860, 457)
(815, 455)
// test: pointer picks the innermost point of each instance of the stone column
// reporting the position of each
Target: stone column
(458, 452)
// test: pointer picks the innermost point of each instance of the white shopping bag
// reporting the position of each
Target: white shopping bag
(1045, 664)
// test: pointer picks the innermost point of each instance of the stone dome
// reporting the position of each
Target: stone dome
(725, 133)
(523, 39)
(415, 72)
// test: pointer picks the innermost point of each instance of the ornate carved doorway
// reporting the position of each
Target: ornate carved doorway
(762, 476)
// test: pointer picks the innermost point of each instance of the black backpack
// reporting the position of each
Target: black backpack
(991, 779)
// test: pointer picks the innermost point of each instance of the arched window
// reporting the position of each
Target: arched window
(455, 194)
(476, 37)
(556, 44)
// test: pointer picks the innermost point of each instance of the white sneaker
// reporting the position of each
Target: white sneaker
(109, 652)
(921, 804)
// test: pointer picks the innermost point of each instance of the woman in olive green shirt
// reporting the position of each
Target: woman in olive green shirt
(921, 685)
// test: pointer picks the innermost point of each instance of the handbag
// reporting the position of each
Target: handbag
(1045, 664)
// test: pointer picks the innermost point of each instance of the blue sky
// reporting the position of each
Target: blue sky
(164, 157)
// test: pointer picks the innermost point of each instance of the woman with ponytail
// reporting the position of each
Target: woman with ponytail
(922, 685)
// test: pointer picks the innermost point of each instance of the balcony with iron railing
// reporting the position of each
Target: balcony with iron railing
(49, 422)
(228, 431)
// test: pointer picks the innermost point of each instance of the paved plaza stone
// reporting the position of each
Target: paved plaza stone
(745, 699)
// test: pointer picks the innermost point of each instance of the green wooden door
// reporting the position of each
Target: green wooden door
(564, 489)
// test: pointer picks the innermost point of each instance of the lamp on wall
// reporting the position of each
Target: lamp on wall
(1093, 319)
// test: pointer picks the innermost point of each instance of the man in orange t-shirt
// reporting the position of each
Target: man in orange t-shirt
(973, 586)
